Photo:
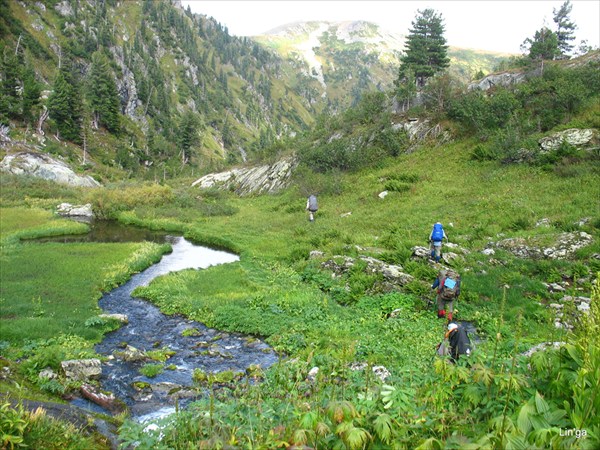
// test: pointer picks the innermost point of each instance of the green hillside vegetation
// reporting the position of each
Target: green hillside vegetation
(313, 320)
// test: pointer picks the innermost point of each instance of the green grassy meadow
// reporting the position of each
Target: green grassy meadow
(277, 292)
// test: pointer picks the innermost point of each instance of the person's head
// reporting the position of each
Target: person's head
(452, 327)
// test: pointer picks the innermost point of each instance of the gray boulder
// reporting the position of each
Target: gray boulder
(82, 369)
(130, 353)
(68, 210)
(43, 166)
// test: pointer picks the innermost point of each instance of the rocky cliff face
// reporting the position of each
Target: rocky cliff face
(43, 166)
(251, 180)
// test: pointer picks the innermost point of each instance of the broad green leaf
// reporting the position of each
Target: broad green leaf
(540, 404)
(539, 422)
(523, 421)
(515, 442)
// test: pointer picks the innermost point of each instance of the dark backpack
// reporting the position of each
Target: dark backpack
(449, 285)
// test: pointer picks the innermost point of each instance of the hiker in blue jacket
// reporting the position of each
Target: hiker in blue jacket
(436, 237)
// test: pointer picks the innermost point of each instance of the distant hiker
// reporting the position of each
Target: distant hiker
(435, 240)
(460, 344)
(312, 207)
(448, 289)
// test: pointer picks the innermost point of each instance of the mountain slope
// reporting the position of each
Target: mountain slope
(347, 59)
(165, 61)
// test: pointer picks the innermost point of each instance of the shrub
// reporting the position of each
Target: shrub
(107, 202)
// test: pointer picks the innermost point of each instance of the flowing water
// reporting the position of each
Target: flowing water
(148, 329)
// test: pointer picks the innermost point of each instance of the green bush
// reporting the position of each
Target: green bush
(109, 201)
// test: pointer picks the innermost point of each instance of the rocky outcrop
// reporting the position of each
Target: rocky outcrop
(419, 130)
(68, 210)
(43, 166)
(541, 347)
(81, 369)
(503, 79)
(252, 180)
(565, 246)
(573, 136)
(393, 275)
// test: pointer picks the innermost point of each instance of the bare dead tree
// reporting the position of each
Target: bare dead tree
(40, 123)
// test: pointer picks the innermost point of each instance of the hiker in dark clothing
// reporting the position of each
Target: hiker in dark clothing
(460, 344)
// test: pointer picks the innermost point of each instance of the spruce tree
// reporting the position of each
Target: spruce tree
(64, 104)
(425, 47)
(564, 28)
(102, 94)
(10, 81)
(188, 136)
(32, 90)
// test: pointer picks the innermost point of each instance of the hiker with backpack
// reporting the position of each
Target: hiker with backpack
(448, 289)
(436, 237)
(459, 341)
(312, 207)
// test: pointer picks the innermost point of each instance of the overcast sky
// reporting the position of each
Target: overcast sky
(488, 25)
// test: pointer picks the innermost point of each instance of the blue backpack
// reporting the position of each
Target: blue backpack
(438, 232)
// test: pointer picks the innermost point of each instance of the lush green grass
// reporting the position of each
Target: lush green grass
(276, 292)
(53, 288)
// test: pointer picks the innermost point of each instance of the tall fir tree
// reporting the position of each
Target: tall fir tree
(64, 104)
(103, 95)
(425, 48)
(188, 134)
(32, 90)
(565, 29)
(10, 82)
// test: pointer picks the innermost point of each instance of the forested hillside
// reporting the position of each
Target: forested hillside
(142, 84)
(149, 90)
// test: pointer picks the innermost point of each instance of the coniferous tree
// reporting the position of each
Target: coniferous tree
(64, 104)
(188, 134)
(564, 28)
(32, 90)
(544, 45)
(103, 95)
(10, 81)
(425, 48)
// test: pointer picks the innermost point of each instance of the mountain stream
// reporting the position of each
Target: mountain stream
(148, 329)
